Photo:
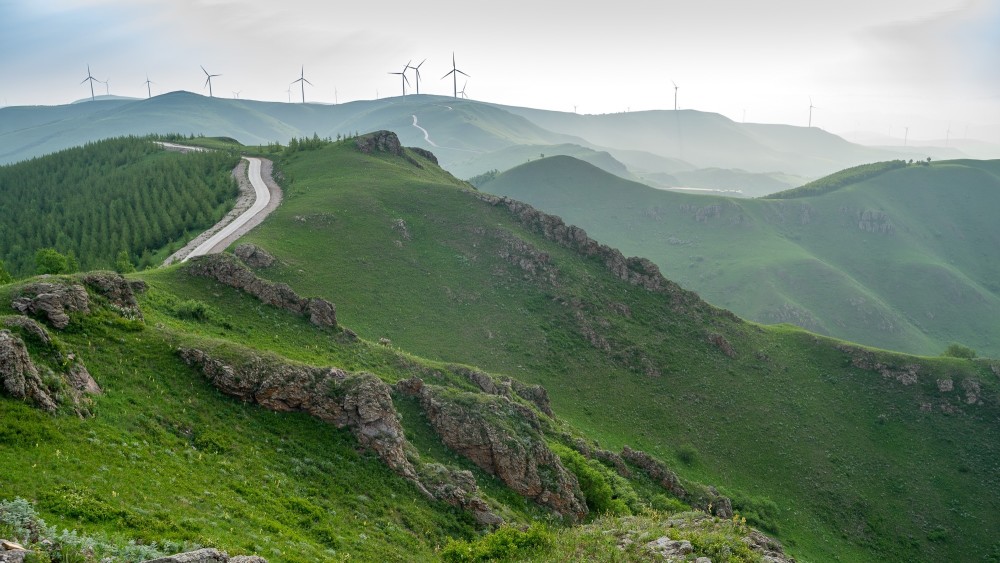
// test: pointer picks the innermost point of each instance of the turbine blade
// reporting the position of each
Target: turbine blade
(203, 70)
(405, 79)
(307, 82)
(448, 74)
(421, 62)
(462, 73)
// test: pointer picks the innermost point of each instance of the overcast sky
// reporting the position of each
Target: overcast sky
(876, 66)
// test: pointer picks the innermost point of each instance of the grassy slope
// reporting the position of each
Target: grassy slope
(805, 260)
(857, 469)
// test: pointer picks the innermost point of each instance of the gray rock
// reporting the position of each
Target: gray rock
(670, 549)
(18, 374)
(30, 327)
(52, 301)
(206, 555)
(117, 290)
(254, 256)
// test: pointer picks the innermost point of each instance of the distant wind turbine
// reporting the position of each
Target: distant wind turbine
(107, 86)
(289, 91)
(236, 95)
(416, 70)
(462, 91)
(91, 78)
(149, 91)
(906, 135)
(302, 81)
(676, 88)
(947, 136)
(811, 108)
(403, 74)
(208, 80)
(454, 72)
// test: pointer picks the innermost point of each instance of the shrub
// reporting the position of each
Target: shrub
(687, 454)
(50, 261)
(594, 483)
(505, 543)
(191, 309)
(955, 350)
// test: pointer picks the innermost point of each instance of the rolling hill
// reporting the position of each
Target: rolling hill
(843, 453)
(471, 137)
(902, 260)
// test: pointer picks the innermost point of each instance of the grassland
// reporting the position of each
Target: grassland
(898, 260)
(822, 445)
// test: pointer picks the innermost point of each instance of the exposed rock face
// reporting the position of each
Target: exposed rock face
(207, 555)
(361, 402)
(666, 548)
(52, 301)
(722, 344)
(379, 141)
(704, 498)
(228, 270)
(254, 256)
(656, 471)
(458, 488)
(636, 271)
(507, 387)
(117, 290)
(535, 394)
(18, 374)
(503, 438)
(424, 153)
(605, 456)
(29, 327)
(863, 359)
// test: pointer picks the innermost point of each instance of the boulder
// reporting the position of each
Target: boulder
(29, 327)
(458, 488)
(321, 312)
(52, 301)
(18, 374)
(205, 555)
(254, 256)
(379, 141)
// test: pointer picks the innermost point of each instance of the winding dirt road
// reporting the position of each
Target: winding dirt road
(265, 197)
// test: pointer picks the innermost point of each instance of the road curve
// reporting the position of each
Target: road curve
(218, 242)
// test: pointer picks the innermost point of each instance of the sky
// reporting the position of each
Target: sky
(924, 69)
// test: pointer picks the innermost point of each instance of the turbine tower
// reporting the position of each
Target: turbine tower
(454, 72)
(107, 86)
(302, 82)
(403, 74)
(149, 91)
(208, 80)
(416, 70)
(676, 88)
(811, 108)
(91, 78)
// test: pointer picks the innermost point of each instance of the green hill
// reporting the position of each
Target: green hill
(124, 194)
(898, 260)
(470, 137)
(841, 452)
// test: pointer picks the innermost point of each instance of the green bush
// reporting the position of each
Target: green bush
(192, 309)
(594, 482)
(687, 454)
(504, 544)
(955, 350)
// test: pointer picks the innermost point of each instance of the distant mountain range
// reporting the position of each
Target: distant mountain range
(684, 148)
(904, 260)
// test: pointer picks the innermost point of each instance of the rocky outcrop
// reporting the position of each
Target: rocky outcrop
(866, 360)
(458, 488)
(21, 378)
(254, 256)
(228, 270)
(18, 374)
(117, 290)
(636, 271)
(605, 456)
(503, 438)
(52, 301)
(207, 555)
(722, 344)
(360, 402)
(379, 141)
(698, 496)
(424, 153)
(507, 387)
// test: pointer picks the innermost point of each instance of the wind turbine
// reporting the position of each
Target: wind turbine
(462, 91)
(454, 72)
(302, 81)
(236, 95)
(416, 70)
(208, 80)
(906, 135)
(676, 88)
(403, 74)
(91, 78)
(149, 91)
(289, 91)
(107, 86)
(811, 107)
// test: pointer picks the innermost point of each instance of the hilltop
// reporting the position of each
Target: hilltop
(897, 260)
(470, 137)
(451, 305)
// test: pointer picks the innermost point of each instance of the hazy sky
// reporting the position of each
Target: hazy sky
(868, 65)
